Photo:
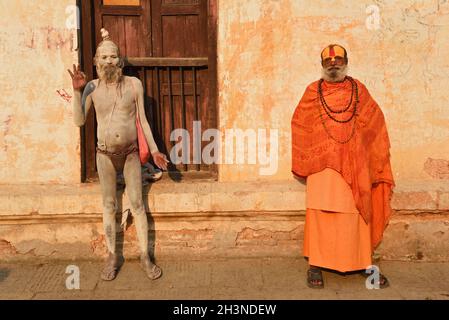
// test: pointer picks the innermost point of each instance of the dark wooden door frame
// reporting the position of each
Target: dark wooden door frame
(87, 52)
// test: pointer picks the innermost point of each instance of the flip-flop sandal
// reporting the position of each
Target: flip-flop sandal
(154, 273)
(110, 269)
(383, 281)
(109, 273)
(315, 279)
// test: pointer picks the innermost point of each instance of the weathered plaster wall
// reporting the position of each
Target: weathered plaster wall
(38, 140)
(269, 52)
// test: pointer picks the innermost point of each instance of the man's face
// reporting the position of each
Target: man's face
(107, 55)
(334, 63)
(334, 67)
(108, 63)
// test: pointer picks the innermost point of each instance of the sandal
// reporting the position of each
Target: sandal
(110, 270)
(315, 278)
(152, 271)
(383, 281)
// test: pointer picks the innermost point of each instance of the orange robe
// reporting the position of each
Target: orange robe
(352, 180)
(335, 234)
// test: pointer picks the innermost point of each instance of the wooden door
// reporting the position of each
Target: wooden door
(171, 46)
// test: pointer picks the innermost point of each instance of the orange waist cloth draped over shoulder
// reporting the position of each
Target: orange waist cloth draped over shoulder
(363, 162)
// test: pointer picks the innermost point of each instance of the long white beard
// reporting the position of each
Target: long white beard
(112, 74)
(336, 75)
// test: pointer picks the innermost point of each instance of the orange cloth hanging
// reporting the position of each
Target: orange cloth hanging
(338, 241)
(335, 234)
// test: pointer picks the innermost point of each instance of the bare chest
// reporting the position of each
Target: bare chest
(112, 98)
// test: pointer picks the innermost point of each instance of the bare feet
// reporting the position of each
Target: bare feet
(151, 270)
(111, 268)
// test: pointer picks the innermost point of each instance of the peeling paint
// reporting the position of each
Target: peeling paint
(437, 168)
(256, 237)
(6, 129)
(6, 248)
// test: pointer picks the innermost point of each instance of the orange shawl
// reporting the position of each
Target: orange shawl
(364, 162)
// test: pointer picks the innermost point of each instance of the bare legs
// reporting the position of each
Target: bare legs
(107, 175)
(133, 180)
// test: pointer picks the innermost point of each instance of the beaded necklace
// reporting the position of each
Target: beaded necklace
(329, 110)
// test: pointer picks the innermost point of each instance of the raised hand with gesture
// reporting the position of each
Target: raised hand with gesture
(79, 79)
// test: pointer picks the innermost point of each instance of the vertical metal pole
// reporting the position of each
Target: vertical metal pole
(183, 103)
(197, 113)
(170, 99)
(159, 103)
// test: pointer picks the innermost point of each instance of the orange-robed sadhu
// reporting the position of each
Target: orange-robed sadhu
(363, 162)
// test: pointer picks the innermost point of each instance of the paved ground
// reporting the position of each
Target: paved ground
(235, 279)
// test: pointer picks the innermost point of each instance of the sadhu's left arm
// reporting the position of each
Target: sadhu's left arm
(159, 158)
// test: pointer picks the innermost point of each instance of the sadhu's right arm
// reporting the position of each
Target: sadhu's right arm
(82, 104)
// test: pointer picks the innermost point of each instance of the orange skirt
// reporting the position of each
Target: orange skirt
(337, 241)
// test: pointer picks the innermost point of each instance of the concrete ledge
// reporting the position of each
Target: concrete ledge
(161, 197)
(423, 237)
(197, 197)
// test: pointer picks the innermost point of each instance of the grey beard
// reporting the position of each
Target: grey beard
(334, 75)
(111, 74)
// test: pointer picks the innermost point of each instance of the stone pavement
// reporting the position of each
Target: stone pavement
(231, 279)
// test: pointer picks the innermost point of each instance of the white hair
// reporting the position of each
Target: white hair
(334, 75)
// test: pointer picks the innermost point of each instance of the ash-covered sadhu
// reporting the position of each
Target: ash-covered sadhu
(118, 101)
(341, 146)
